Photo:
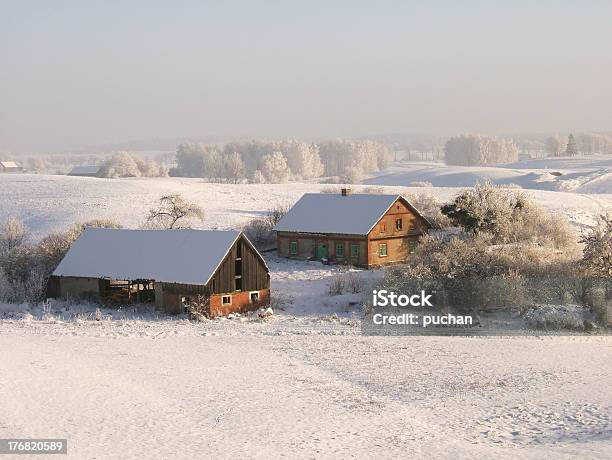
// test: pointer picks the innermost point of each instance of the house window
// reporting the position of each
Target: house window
(382, 250)
(354, 251)
(185, 301)
(412, 246)
(383, 227)
(226, 300)
(238, 283)
(254, 297)
(398, 224)
(339, 249)
(293, 248)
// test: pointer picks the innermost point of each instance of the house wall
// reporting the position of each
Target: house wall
(412, 224)
(307, 245)
(397, 240)
(398, 250)
(240, 302)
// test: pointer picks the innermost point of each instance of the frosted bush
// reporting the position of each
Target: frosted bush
(555, 317)
(336, 285)
(421, 183)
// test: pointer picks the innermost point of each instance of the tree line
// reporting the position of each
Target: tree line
(281, 161)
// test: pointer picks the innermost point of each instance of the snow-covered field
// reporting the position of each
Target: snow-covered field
(592, 174)
(303, 383)
(48, 202)
(301, 388)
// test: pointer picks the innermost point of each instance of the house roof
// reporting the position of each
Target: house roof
(354, 214)
(78, 170)
(9, 164)
(172, 256)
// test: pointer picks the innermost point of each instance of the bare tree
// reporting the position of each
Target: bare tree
(173, 211)
(598, 248)
(13, 234)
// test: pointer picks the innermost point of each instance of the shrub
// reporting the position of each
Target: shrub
(260, 231)
(354, 283)
(336, 285)
(597, 258)
(279, 300)
(13, 234)
(429, 207)
(470, 268)
(555, 317)
(508, 216)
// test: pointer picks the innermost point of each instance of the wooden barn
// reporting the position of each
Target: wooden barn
(10, 167)
(220, 272)
(364, 230)
(85, 171)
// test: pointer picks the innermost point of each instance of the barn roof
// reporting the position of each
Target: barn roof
(353, 214)
(173, 256)
(9, 164)
(79, 170)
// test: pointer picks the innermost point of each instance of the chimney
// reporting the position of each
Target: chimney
(346, 191)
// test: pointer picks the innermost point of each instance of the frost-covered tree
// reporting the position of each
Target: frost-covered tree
(13, 234)
(554, 146)
(571, 149)
(274, 168)
(258, 177)
(350, 160)
(509, 216)
(121, 164)
(151, 168)
(303, 159)
(474, 150)
(199, 160)
(233, 168)
(594, 143)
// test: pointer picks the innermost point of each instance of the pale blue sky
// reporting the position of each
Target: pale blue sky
(78, 73)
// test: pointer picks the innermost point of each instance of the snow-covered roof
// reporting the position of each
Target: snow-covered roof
(80, 170)
(329, 213)
(173, 256)
(9, 164)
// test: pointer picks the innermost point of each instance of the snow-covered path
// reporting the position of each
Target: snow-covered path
(244, 394)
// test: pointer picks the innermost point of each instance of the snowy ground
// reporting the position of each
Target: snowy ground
(301, 388)
(303, 383)
(592, 174)
(47, 202)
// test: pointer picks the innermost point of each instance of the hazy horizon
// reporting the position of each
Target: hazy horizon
(76, 75)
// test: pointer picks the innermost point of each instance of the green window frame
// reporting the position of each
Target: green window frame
(412, 244)
(382, 250)
(293, 248)
(354, 251)
(398, 224)
(339, 249)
